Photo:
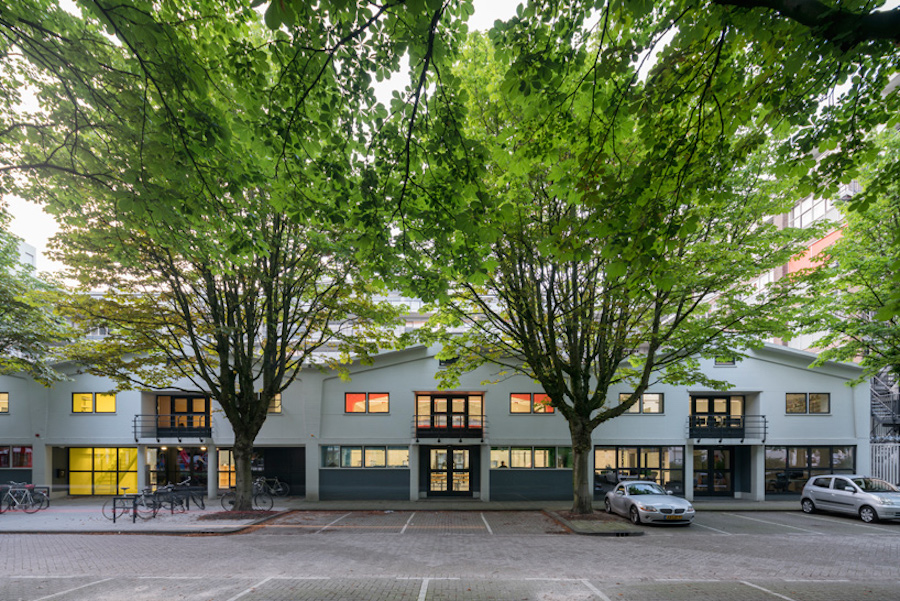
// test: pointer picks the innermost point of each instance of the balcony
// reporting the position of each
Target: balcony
(730, 427)
(176, 426)
(436, 427)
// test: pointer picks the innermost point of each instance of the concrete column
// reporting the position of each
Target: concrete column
(758, 473)
(143, 479)
(413, 472)
(485, 472)
(313, 461)
(212, 471)
(689, 471)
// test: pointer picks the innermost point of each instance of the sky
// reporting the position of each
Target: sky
(36, 227)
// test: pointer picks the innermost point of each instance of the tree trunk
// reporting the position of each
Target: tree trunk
(582, 482)
(243, 477)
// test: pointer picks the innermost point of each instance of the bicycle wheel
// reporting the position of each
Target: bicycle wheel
(228, 501)
(281, 489)
(262, 501)
(42, 499)
(31, 505)
(107, 510)
(146, 507)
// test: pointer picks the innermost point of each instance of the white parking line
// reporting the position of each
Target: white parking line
(251, 589)
(406, 525)
(486, 525)
(744, 517)
(837, 520)
(595, 590)
(767, 591)
(332, 523)
(73, 589)
(713, 529)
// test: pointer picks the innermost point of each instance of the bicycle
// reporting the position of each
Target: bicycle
(191, 494)
(273, 486)
(262, 500)
(21, 495)
(143, 505)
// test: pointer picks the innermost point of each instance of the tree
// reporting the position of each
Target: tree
(31, 328)
(199, 168)
(620, 226)
(850, 293)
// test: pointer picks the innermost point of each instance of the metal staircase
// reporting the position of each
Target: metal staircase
(885, 407)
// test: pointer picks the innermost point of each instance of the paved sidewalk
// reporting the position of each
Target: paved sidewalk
(83, 515)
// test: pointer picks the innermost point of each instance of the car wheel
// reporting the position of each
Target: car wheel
(807, 506)
(635, 516)
(867, 514)
(608, 506)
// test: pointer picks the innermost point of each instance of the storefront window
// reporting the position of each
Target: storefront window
(102, 470)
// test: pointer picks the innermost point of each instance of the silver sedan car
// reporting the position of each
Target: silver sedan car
(869, 498)
(643, 501)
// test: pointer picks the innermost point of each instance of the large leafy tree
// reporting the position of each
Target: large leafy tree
(31, 328)
(621, 224)
(204, 171)
(851, 291)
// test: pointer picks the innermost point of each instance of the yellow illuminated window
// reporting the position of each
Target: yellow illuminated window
(105, 403)
(275, 404)
(4, 402)
(82, 402)
(88, 402)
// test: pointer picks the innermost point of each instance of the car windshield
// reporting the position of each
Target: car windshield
(873, 485)
(645, 488)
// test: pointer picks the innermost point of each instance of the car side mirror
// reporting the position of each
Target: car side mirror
(620, 492)
(669, 492)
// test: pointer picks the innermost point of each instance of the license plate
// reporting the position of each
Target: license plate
(673, 517)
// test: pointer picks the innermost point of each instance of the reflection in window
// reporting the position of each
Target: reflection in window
(650, 402)
(366, 402)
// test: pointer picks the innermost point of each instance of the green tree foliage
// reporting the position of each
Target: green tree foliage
(203, 170)
(621, 222)
(851, 292)
(31, 328)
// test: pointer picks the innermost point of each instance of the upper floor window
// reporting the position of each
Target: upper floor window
(725, 361)
(4, 402)
(366, 402)
(93, 402)
(650, 402)
(275, 404)
(530, 402)
(808, 402)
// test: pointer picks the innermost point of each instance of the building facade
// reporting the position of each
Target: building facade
(389, 433)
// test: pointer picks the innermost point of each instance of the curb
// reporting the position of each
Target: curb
(596, 528)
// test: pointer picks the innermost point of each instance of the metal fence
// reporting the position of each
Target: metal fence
(886, 462)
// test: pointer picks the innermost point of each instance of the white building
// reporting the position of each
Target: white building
(388, 433)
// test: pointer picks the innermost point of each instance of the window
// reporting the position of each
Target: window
(15, 457)
(663, 465)
(4, 402)
(89, 402)
(531, 457)
(650, 402)
(528, 402)
(275, 404)
(725, 361)
(366, 402)
(102, 470)
(807, 403)
(788, 468)
(365, 456)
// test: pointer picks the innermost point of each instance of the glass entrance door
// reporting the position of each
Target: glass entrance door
(713, 471)
(449, 472)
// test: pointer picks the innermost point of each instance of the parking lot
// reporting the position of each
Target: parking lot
(467, 555)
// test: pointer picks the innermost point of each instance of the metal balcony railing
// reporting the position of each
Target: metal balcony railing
(426, 426)
(178, 426)
(729, 427)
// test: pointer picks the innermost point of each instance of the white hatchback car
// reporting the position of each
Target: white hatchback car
(645, 501)
(869, 498)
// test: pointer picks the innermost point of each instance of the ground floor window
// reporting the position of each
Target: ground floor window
(173, 465)
(15, 457)
(664, 465)
(227, 470)
(102, 470)
(371, 456)
(531, 457)
(788, 468)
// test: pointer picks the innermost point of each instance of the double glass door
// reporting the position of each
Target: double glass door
(713, 471)
(449, 472)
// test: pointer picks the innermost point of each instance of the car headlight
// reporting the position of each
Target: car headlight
(689, 508)
(646, 507)
(885, 501)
